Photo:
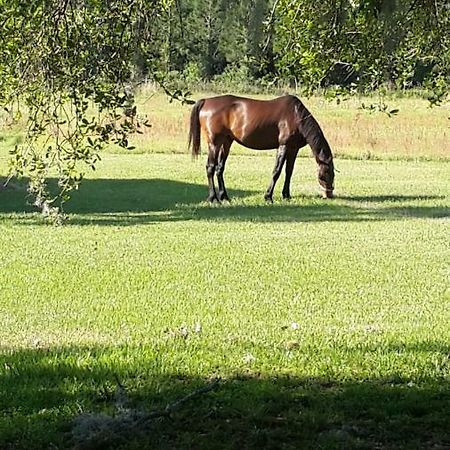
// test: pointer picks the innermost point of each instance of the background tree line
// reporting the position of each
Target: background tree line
(358, 44)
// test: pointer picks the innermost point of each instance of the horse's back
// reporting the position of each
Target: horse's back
(252, 122)
(230, 101)
(233, 107)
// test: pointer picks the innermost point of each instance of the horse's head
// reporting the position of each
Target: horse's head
(326, 178)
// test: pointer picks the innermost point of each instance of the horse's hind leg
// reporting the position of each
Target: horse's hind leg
(222, 159)
(281, 158)
(213, 153)
(291, 155)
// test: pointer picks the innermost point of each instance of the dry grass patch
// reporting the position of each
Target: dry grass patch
(416, 132)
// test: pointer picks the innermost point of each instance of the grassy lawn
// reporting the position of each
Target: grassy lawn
(325, 322)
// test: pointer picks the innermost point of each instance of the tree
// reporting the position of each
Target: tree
(71, 66)
(214, 34)
(379, 41)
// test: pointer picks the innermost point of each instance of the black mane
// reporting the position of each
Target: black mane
(310, 129)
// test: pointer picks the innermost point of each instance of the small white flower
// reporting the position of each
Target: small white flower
(198, 327)
(295, 326)
(184, 332)
(248, 358)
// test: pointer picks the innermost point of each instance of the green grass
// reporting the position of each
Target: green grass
(327, 321)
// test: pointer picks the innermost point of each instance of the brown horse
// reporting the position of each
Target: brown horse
(282, 123)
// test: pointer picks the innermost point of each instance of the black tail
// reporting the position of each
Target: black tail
(194, 130)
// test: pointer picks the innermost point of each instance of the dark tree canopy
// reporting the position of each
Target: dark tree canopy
(373, 42)
(365, 43)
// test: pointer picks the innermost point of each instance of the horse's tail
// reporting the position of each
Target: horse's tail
(194, 130)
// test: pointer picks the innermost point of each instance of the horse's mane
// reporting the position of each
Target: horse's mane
(310, 129)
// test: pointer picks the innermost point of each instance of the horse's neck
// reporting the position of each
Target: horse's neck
(314, 136)
(322, 151)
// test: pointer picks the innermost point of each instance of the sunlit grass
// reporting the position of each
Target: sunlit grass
(326, 320)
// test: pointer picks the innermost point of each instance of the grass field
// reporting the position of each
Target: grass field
(326, 322)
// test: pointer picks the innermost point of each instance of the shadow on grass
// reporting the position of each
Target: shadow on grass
(43, 390)
(391, 198)
(116, 196)
(141, 201)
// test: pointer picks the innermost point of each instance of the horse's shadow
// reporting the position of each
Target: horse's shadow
(140, 201)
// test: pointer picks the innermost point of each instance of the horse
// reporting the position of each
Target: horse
(284, 123)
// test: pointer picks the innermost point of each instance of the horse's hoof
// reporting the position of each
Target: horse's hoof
(213, 199)
(286, 197)
(326, 195)
(268, 198)
(224, 198)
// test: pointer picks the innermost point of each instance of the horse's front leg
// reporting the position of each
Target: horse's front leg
(290, 162)
(279, 162)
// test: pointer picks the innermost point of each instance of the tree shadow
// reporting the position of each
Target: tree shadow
(138, 196)
(43, 390)
(140, 201)
(97, 196)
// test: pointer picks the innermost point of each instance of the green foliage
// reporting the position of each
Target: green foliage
(69, 66)
(213, 34)
(192, 73)
(370, 42)
(357, 45)
(236, 77)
